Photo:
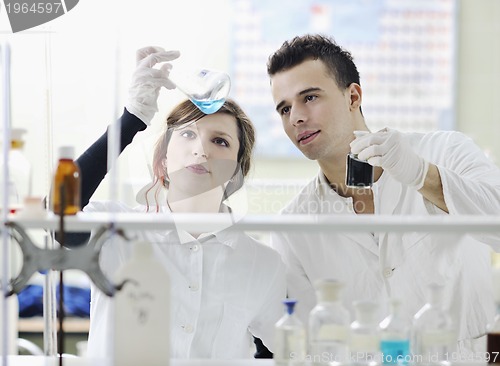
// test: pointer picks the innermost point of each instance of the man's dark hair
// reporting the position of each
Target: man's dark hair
(313, 47)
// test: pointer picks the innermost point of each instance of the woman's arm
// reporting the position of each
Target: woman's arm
(94, 166)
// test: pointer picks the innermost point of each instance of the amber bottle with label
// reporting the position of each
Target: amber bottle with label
(66, 190)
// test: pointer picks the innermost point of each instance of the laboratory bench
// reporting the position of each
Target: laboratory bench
(77, 361)
(253, 223)
(208, 222)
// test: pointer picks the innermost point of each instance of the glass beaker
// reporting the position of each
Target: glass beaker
(206, 89)
(359, 173)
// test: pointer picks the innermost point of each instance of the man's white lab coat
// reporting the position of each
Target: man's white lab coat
(377, 266)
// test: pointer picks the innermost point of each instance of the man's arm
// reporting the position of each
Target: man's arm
(447, 168)
(432, 189)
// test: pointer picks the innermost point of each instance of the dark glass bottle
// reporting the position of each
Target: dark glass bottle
(359, 173)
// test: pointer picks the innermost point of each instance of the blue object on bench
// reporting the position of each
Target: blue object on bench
(76, 301)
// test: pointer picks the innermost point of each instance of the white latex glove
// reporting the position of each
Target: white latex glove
(388, 149)
(147, 82)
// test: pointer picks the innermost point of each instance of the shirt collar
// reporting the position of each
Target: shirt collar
(223, 237)
(155, 192)
(321, 185)
(323, 189)
(221, 234)
(329, 201)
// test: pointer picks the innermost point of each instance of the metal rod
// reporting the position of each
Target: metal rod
(61, 236)
(6, 125)
(328, 223)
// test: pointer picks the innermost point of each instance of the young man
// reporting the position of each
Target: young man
(317, 93)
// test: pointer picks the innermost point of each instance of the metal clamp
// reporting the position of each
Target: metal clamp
(84, 258)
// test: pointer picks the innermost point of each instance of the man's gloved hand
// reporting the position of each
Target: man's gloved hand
(388, 149)
(147, 82)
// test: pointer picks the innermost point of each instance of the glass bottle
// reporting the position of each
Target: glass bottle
(290, 338)
(19, 182)
(66, 191)
(493, 329)
(20, 167)
(329, 324)
(395, 333)
(433, 333)
(141, 310)
(364, 337)
(359, 173)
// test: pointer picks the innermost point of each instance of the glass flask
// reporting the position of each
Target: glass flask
(329, 325)
(359, 173)
(395, 333)
(207, 89)
(290, 338)
(364, 341)
(434, 336)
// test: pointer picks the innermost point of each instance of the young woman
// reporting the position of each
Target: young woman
(225, 286)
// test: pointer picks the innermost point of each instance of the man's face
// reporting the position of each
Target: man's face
(316, 114)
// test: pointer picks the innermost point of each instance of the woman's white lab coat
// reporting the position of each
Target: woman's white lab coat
(225, 286)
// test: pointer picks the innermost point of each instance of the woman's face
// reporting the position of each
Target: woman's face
(203, 155)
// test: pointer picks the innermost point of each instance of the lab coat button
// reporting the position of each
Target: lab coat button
(193, 287)
(195, 248)
(188, 328)
(388, 272)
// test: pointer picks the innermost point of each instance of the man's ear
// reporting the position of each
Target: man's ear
(355, 96)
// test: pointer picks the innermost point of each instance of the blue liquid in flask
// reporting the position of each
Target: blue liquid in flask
(208, 106)
(395, 351)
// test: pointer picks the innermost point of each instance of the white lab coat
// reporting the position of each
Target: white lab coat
(224, 286)
(378, 266)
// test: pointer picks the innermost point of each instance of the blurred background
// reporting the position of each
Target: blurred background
(424, 65)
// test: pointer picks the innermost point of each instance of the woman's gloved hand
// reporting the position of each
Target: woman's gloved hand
(147, 82)
(390, 150)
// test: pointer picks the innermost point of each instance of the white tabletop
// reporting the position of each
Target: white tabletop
(77, 361)
(208, 222)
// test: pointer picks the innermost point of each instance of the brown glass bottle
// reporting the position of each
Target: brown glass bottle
(66, 191)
